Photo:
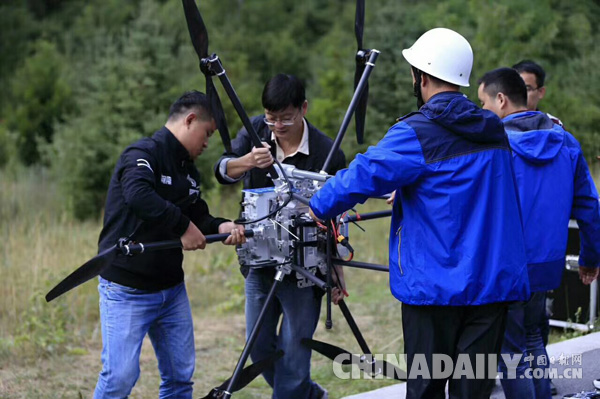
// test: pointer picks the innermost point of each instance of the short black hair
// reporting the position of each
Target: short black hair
(191, 100)
(534, 68)
(506, 81)
(281, 91)
(436, 81)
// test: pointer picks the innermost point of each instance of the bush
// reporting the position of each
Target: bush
(39, 96)
(5, 143)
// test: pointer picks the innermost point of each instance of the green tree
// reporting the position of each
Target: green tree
(125, 84)
(123, 96)
(17, 29)
(126, 61)
(40, 96)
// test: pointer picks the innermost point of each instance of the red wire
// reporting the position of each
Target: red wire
(335, 232)
(322, 226)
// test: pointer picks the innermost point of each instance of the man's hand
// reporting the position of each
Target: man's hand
(261, 157)
(390, 201)
(588, 274)
(338, 294)
(313, 216)
(257, 158)
(193, 238)
(237, 233)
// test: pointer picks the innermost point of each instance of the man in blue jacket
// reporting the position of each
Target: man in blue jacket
(154, 195)
(554, 184)
(534, 77)
(456, 250)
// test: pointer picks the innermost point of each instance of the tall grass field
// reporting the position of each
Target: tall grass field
(52, 350)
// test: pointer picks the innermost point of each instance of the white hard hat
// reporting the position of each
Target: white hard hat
(444, 54)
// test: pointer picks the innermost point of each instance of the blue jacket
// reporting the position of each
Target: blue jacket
(456, 236)
(554, 185)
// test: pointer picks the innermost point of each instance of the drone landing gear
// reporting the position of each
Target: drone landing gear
(243, 376)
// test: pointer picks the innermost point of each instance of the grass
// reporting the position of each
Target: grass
(53, 350)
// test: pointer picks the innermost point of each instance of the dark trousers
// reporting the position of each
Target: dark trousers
(475, 331)
(300, 307)
(523, 337)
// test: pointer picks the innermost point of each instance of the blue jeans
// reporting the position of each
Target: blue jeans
(127, 315)
(289, 376)
(524, 336)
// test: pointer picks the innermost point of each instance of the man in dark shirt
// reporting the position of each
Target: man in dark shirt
(534, 77)
(290, 138)
(154, 195)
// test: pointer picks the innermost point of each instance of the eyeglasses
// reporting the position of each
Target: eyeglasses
(284, 122)
(529, 88)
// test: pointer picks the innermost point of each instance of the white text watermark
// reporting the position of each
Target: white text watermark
(442, 366)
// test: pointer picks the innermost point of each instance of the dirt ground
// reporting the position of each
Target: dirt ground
(218, 344)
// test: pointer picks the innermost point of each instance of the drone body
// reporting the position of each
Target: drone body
(290, 236)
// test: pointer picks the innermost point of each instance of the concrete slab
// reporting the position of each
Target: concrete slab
(587, 346)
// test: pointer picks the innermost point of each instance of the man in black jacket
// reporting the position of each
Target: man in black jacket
(290, 138)
(154, 195)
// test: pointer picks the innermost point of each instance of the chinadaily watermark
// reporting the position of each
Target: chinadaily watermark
(380, 366)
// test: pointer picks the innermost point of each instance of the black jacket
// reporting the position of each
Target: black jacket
(318, 147)
(153, 194)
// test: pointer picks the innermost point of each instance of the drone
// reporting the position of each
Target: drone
(279, 232)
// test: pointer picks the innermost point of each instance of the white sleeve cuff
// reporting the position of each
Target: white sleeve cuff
(223, 172)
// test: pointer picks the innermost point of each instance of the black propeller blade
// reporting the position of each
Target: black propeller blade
(199, 36)
(366, 362)
(218, 113)
(247, 375)
(98, 263)
(88, 270)
(361, 58)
